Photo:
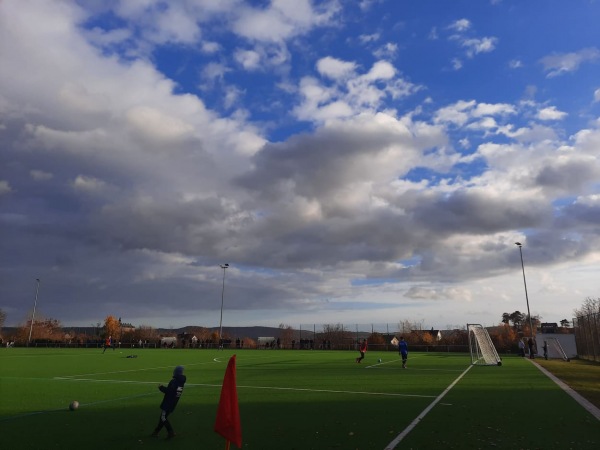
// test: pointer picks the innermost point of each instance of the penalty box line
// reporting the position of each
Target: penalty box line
(392, 445)
(273, 388)
(143, 369)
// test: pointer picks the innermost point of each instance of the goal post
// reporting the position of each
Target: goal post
(553, 349)
(481, 346)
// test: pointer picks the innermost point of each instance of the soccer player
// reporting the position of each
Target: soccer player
(363, 349)
(403, 350)
(108, 343)
(172, 395)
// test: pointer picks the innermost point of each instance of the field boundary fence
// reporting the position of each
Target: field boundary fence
(587, 336)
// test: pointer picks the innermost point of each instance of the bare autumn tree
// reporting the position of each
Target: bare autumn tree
(202, 333)
(376, 339)
(335, 334)
(589, 306)
(2, 318)
(406, 326)
(535, 321)
(286, 334)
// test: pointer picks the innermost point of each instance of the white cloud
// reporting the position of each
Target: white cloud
(210, 47)
(496, 109)
(335, 68)
(40, 175)
(561, 63)
(460, 25)
(551, 113)
(476, 46)
(248, 59)
(352, 94)
(281, 20)
(381, 70)
(214, 72)
(366, 38)
(387, 51)
(155, 124)
(597, 95)
(4, 187)
(88, 184)
(515, 64)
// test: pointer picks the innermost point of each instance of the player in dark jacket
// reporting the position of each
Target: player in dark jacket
(403, 350)
(172, 395)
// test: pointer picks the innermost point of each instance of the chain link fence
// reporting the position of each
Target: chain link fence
(587, 336)
(348, 337)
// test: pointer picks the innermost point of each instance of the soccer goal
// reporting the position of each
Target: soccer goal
(482, 349)
(555, 350)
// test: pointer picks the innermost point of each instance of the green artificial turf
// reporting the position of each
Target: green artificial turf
(288, 400)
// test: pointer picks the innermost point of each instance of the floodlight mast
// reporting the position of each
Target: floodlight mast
(224, 267)
(37, 290)
(518, 244)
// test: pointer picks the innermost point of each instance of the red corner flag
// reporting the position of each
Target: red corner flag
(228, 423)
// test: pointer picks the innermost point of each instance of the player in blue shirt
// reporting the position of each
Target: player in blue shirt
(403, 350)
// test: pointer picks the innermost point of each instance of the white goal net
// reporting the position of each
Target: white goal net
(482, 349)
(553, 349)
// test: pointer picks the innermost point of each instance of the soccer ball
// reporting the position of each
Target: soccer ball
(74, 405)
(379, 360)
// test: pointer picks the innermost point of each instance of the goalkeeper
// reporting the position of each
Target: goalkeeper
(403, 350)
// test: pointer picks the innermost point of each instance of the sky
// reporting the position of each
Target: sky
(354, 162)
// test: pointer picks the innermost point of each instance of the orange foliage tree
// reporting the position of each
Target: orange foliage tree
(505, 338)
(43, 330)
(111, 327)
(376, 339)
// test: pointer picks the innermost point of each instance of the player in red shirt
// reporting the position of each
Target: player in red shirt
(108, 343)
(362, 350)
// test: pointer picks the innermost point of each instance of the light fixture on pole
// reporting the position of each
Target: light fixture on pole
(224, 267)
(518, 244)
(37, 290)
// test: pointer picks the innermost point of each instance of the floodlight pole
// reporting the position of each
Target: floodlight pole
(224, 267)
(37, 290)
(518, 244)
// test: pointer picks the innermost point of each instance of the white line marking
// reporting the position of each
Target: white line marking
(589, 407)
(132, 370)
(379, 364)
(274, 388)
(392, 445)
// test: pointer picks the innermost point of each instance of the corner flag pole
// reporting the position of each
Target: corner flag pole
(227, 422)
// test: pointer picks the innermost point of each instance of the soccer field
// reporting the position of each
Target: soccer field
(288, 400)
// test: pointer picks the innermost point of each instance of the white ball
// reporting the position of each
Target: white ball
(74, 405)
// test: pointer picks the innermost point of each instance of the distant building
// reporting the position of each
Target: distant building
(549, 327)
